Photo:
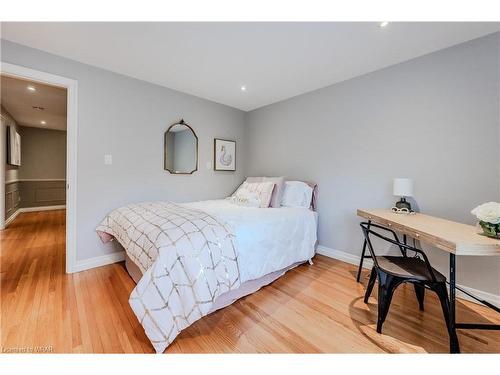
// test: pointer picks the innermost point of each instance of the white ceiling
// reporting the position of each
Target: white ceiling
(19, 102)
(275, 61)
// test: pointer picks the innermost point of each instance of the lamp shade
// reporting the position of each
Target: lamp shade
(403, 187)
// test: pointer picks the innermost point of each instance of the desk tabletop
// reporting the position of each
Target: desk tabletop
(450, 236)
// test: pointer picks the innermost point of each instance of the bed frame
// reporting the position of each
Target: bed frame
(229, 297)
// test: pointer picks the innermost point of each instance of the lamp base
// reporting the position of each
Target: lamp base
(402, 203)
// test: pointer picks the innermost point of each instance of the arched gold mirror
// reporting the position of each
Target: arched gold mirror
(180, 149)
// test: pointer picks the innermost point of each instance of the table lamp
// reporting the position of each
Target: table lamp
(403, 187)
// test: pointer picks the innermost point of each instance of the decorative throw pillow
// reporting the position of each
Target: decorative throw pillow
(297, 194)
(257, 194)
(278, 189)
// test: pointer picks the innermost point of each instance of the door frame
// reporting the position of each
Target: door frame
(3, 161)
(71, 86)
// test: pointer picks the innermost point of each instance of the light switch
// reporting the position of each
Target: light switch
(209, 165)
(108, 159)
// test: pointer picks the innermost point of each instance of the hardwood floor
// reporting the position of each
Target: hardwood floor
(311, 309)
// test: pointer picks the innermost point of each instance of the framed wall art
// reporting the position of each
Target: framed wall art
(224, 155)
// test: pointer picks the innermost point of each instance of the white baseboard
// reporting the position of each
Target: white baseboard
(11, 218)
(42, 208)
(343, 256)
(99, 261)
(367, 264)
(34, 180)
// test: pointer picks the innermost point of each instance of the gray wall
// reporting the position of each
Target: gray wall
(43, 153)
(42, 193)
(434, 119)
(127, 118)
(43, 167)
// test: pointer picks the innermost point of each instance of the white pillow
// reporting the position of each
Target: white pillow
(296, 194)
(255, 194)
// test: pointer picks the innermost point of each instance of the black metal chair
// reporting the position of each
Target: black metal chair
(392, 271)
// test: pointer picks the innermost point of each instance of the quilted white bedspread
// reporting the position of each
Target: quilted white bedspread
(188, 258)
(267, 239)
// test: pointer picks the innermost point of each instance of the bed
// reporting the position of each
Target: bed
(191, 259)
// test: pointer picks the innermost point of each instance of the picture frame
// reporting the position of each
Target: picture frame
(224, 155)
(13, 147)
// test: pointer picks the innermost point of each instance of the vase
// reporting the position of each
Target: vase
(490, 230)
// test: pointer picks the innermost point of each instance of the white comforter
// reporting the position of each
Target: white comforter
(267, 239)
(193, 253)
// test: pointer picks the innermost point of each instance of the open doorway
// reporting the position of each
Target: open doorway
(35, 117)
(38, 164)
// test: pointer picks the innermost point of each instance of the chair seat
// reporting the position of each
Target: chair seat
(408, 267)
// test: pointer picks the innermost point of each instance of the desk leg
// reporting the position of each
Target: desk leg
(454, 345)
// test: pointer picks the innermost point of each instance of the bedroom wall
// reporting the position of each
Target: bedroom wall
(434, 119)
(127, 118)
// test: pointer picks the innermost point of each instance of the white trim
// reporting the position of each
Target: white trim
(11, 218)
(3, 154)
(71, 149)
(343, 256)
(35, 180)
(99, 261)
(42, 208)
(490, 297)
(367, 264)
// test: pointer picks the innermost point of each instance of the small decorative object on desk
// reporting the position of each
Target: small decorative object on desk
(404, 211)
(488, 215)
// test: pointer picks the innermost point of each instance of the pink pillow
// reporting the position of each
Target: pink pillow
(279, 183)
(254, 194)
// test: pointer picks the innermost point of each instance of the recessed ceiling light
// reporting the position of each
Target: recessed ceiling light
(31, 88)
(384, 24)
(43, 122)
(243, 88)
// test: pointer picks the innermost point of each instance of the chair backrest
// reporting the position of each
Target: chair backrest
(367, 230)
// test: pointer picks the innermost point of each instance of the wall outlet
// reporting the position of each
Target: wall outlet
(108, 159)
(209, 165)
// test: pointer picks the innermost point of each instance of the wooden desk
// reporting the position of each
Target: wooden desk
(454, 238)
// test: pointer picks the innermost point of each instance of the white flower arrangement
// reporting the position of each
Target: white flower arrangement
(488, 215)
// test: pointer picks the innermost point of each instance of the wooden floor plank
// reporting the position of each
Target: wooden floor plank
(311, 309)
